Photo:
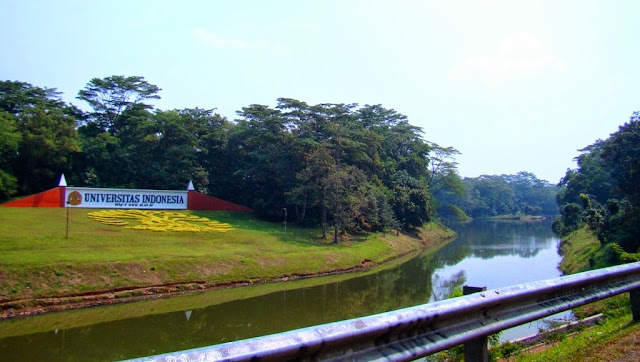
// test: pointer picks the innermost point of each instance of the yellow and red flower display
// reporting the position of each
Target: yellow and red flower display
(159, 221)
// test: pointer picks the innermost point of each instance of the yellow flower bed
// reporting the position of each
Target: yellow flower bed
(159, 221)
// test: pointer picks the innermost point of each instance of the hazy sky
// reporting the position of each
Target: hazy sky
(513, 85)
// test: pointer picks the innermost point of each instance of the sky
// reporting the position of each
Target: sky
(513, 85)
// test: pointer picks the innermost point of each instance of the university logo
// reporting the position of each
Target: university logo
(74, 198)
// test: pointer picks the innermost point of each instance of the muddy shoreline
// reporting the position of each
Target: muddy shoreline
(33, 306)
(28, 306)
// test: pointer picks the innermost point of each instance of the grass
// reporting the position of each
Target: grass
(578, 251)
(617, 338)
(37, 260)
(88, 316)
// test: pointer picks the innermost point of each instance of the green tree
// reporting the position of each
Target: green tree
(312, 188)
(44, 128)
(9, 142)
(621, 155)
(111, 96)
(571, 216)
(445, 185)
(411, 200)
(102, 163)
(591, 177)
(489, 196)
(345, 191)
(443, 170)
(213, 162)
(267, 163)
(170, 152)
(114, 159)
(17, 97)
(48, 140)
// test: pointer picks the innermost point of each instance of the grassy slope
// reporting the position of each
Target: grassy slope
(87, 316)
(619, 335)
(37, 260)
(617, 339)
(577, 249)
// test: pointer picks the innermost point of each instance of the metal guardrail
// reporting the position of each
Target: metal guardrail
(414, 332)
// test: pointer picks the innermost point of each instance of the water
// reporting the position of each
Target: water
(492, 254)
(496, 255)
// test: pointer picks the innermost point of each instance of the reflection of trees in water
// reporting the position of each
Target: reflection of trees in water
(406, 285)
(488, 239)
(443, 287)
(488, 252)
(452, 253)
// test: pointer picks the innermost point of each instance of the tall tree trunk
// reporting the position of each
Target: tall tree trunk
(324, 214)
(301, 210)
(304, 208)
(336, 218)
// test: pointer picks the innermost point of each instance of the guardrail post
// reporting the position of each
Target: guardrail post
(476, 350)
(634, 295)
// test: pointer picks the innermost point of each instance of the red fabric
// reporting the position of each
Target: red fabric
(49, 198)
(198, 201)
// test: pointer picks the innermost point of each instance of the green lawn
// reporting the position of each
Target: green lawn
(578, 248)
(36, 259)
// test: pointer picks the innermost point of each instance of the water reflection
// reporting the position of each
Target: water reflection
(490, 254)
(443, 286)
(488, 239)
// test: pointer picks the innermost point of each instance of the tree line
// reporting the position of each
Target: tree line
(346, 167)
(341, 165)
(603, 193)
(497, 195)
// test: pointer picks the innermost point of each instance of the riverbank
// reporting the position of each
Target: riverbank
(41, 270)
(614, 339)
(579, 251)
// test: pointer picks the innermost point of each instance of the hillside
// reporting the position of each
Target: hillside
(100, 262)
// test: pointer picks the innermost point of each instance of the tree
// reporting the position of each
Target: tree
(48, 140)
(111, 96)
(443, 170)
(37, 137)
(17, 97)
(214, 171)
(445, 185)
(489, 195)
(313, 184)
(345, 191)
(170, 152)
(621, 154)
(266, 162)
(411, 200)
(592, 177)
(607, 169)
(9, 142)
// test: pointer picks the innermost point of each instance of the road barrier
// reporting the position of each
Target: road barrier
(415, 332)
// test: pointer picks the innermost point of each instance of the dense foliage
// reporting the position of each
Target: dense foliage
(354, 168)
(341, 165)
(603, 193)
(486, 196)
(37, 138)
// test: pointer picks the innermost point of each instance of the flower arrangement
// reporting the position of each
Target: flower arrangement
(159, 221)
